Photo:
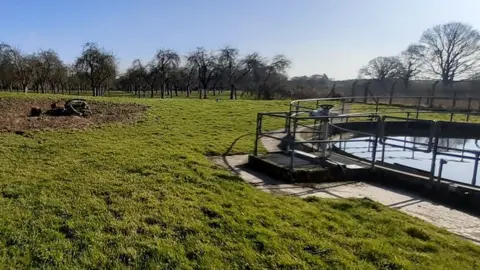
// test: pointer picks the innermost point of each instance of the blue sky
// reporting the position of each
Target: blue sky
(335, 37)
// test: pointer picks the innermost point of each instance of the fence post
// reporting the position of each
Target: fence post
(469, 108)
(454, 100)
(353, 90)
(365, 97)
(391, 93)
(432, 98)
(418, 105)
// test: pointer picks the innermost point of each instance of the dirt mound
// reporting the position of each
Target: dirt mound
(14, 115)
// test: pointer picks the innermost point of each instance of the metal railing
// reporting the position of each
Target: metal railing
(302, 129)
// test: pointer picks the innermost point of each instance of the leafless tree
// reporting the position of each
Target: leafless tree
(206, 64)
(452, 50)
(23, 67)
(381, 68)
(49, 69)
(166, 62)
(98, 65)
(233, 68)
(6, 67)
(410, 63)
(150, 73)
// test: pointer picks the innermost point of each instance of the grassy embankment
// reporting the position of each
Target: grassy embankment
(146, 195)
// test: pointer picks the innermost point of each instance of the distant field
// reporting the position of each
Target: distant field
(146, 195)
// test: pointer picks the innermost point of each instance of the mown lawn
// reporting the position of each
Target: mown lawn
(147, 196)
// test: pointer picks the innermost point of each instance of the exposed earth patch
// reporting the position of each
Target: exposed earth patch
(14, 115)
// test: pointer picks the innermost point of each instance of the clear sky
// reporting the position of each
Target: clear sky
(335, 37)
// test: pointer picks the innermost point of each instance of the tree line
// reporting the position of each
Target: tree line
(204, 72)
(447, 52)
(168, 73)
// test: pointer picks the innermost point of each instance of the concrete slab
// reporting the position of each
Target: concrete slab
(457, 222)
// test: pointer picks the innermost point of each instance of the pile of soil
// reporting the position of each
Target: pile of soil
(14, 115)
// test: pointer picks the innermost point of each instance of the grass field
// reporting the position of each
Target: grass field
(147, 196)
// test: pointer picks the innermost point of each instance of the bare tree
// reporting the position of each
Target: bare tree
(452, 50)
(166, 61)
(49, 69)
(206, 64)
(274, 72)
(6, 67)
(233, 68)
(150, 73)
(381, 68)
(98, 65)
(410, 63)
(23, 68)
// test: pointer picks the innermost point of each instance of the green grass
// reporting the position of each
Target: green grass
(147, 196)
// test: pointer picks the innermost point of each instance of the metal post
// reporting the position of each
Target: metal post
(374, 150)
(451, 117)
(325, 137)
(383, 153)
(292, 143)
(418, 106)
(408, 119)
(434, 153)
(317, 131)
(454, 101)
(475, 170)
(469, 108)
(345, 143)
(414, 147)
(257, 133)
(440, 170)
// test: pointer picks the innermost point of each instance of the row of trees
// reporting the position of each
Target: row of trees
(167, 73)
(93, 69)
(448, 52)
(203, 70)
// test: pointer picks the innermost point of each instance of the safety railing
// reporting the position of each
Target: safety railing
(298, 120)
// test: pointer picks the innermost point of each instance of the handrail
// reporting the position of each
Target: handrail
(299, 111)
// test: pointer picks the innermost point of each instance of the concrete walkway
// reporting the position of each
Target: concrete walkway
(457, 222)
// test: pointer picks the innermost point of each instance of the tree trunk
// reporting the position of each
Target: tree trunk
(153, 92)
(232, 92)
